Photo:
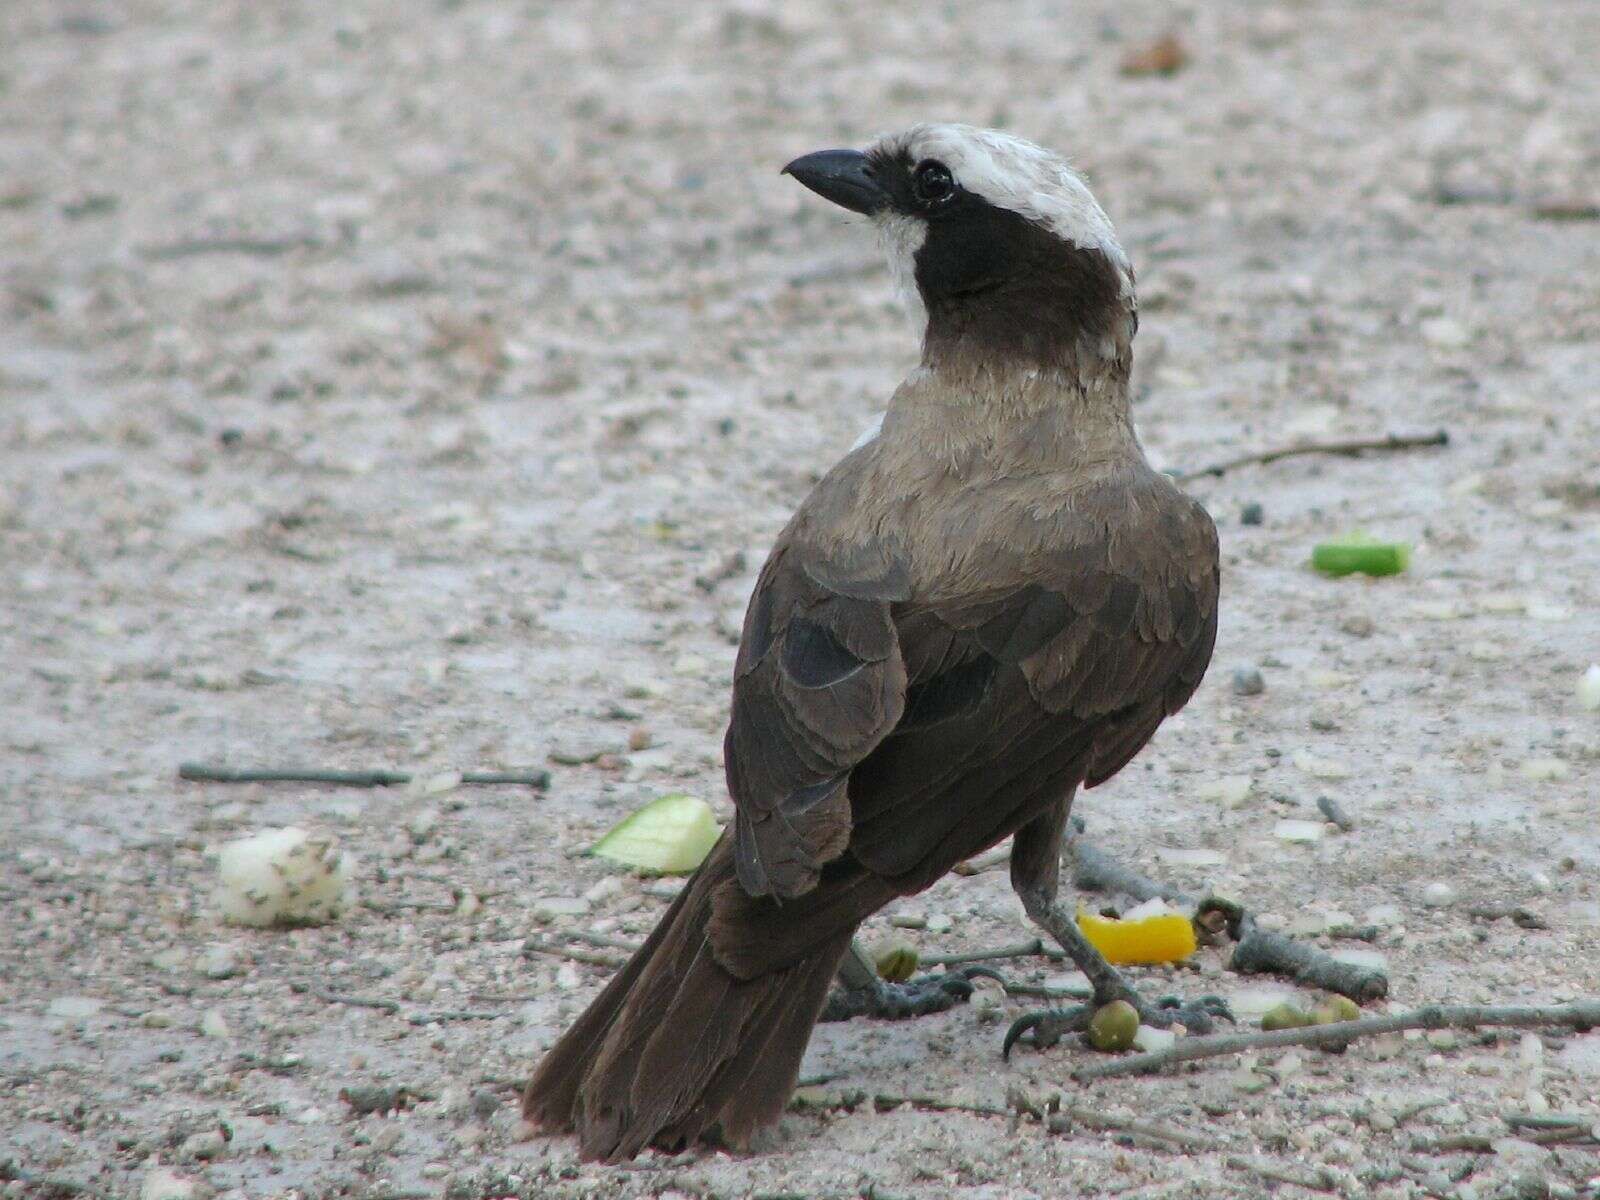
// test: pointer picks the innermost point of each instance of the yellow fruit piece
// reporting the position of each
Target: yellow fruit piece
(1167, 937)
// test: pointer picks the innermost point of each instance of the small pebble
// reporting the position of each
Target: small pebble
(220, 962)
(1247, 681)
(1446, 333)
(606, 889)
(73, 1008)
(1321, 768)
(552, 907)
(485, 1104)
(213, 1024)
(422, 824)
(1250, 1083)
(576, 754)
(162, 1184)
(940, 923)
(1357, 625)
(205, 1145)
(1543, 770)
(438, 783)
(1442, 1039)
(1589, 688)
(1230, 791)
(1300, 831)
(1251, 514)
(1438, 895)
(1149, 1039)
(1382, 914)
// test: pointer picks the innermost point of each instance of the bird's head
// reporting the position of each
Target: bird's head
(997, 245)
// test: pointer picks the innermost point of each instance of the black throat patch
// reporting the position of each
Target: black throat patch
(994, 283)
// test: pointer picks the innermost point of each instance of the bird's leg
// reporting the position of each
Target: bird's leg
(1036, 877)
(861, 993)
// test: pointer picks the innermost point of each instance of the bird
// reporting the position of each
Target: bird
(991, 601)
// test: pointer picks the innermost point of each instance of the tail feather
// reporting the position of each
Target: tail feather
(551, 1098)
(676, 1046)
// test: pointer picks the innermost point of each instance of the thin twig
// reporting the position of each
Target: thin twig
(604, 940)
(206, 773)
(1046, 991)
(388, 1006)
(854, 1098)
(450, 1014)
(1315, 1179)
(593, 958)
(1097, 1119)
(258, 247)
(1033, 949)
(1391, 441)
(1416, 1109)
(1550, 1121)
(1523, 918)
(1096, 871)
(1581, 1016)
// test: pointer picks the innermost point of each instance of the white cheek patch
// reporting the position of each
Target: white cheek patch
(902, 237)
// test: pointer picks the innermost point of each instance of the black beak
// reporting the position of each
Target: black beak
(843, 176)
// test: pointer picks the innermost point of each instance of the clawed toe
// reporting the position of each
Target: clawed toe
(1197, 1016)
(903, 1001)
(1046, 1027)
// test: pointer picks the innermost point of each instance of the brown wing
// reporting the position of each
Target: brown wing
(819, 682)
(1016, 697)
(895, 738)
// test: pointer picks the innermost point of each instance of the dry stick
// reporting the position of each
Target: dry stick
(451, 1014)
(1260, 952)
(1550, 1121)
(1311, 1178)
(205, 773)
(535, 945)
(388, 1006)
(1391, 441)
(1581, 1015)
(1033, 949)
(604, 940)
(1096, 1119)
(1095, 871)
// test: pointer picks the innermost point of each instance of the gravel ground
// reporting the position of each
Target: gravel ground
(418, 386)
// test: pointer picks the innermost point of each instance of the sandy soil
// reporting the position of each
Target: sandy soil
(378, 382)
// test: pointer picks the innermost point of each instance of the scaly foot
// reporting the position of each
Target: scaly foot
(1046, 1027)
(903, 1001)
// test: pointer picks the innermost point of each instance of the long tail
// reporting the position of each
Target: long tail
(676, 1046)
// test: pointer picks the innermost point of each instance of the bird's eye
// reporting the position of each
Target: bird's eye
(932, 183)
